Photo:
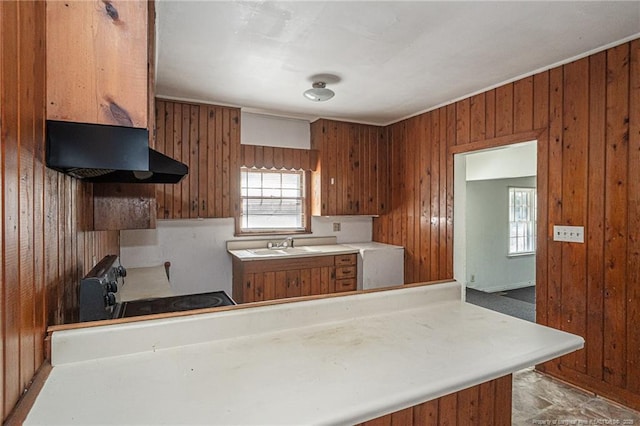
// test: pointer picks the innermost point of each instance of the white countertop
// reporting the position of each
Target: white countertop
(304, 251)
(373, 245)
(334, 360)
(144, 283)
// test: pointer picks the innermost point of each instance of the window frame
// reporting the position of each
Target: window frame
(533, 212)
(306, 205)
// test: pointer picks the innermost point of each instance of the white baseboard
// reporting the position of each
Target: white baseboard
(500, 287)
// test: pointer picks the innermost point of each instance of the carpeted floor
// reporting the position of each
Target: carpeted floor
(505, 304)
(526, 294)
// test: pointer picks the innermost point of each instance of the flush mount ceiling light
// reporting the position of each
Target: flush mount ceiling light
(319, 92)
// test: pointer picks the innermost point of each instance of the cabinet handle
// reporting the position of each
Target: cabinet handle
(203, 205)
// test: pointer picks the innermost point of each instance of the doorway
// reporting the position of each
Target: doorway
(494, 219)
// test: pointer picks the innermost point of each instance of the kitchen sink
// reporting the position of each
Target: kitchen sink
(282, 251)
(267, 252)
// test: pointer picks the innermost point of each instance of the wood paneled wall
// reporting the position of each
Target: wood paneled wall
(586, 118)
(207, 139)
(44, 232)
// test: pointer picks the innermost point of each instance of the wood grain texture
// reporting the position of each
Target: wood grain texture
(90, 56)
(207, 139)
(633, 246)
(119, 206)
(541, 121)
(574, 184)
(485, 404)
(351, 172)
(616, 216)
(46, 226)
(294, 277)
(585, 117)
(595, 222)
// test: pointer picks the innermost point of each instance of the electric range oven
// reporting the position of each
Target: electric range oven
(99, 298)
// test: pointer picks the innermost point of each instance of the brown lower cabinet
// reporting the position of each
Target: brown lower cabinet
(270, 279)
(488, 403)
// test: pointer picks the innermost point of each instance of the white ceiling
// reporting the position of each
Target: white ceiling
(394, 59)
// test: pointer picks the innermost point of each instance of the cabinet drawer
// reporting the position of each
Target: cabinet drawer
(345, 272)
(346, 259)
(347, 284)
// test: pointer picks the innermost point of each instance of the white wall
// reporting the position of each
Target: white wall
(197, 249)
(509, 161)
(488, 268)
(267, 130)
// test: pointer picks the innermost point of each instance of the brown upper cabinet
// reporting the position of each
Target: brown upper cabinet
(351, 177)
(100, 70)
(207, 139)
(98, 62)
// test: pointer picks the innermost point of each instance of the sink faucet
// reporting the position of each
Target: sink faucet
(287, 242)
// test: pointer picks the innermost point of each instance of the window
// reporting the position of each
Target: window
(522, 221)
(273, 200)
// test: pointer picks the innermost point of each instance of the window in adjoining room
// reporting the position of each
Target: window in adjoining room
(522, 221)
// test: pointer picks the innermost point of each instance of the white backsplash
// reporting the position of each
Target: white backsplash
(197, 249)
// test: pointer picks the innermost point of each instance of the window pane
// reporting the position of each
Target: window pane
(522, 220)
(272, 200)
(290, 181)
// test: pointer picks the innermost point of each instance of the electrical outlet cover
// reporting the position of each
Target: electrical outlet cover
(569, 234)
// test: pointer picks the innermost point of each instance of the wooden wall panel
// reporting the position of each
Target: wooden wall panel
(477, 123)
(632, 307)
(541, 121)
(45, 234)
(574, 181)
(586, 115)
(207, 139)
(485, 404)
(616, 214)
(595, 214)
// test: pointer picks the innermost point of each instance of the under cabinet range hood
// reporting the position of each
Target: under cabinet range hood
(103, 153)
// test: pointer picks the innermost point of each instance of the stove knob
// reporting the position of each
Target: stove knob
(121, 271)
(110, 299)
(112, 287)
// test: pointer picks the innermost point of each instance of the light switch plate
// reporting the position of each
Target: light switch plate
(570, 234)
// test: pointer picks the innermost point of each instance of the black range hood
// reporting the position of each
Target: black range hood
(102, 153)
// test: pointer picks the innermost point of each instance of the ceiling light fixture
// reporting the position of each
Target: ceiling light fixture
(319, 92)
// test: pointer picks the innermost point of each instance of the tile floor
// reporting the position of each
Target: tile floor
(541, 400)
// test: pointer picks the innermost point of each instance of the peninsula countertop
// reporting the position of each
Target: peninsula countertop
(330, 360)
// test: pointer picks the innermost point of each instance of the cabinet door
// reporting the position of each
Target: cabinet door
(269, 283)
(352, 176)
(281, 285)
(248, 290)
(293, 283)
(328, 280)
(305, 281)
(207, 139)
(97, 62)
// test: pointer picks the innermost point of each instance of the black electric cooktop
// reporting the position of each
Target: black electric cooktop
(174, 304)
